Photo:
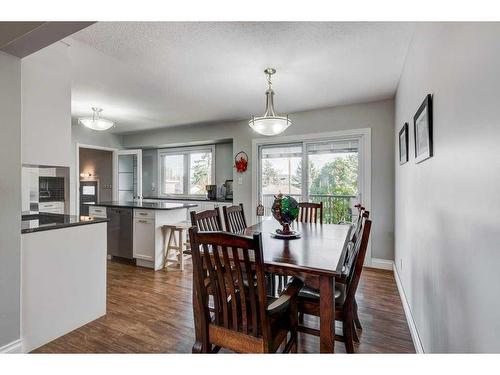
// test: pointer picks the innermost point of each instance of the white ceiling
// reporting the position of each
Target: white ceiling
(149, 75)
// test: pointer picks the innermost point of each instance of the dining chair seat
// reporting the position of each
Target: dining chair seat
(313, 294)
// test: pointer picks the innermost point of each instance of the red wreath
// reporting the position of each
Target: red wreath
(241, 162)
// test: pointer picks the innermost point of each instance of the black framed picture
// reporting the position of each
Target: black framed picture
(403, 144)
(422, 126)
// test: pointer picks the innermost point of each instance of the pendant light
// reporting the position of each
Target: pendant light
(96, 122)
(269, 123)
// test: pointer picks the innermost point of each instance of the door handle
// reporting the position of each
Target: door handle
(143, 221)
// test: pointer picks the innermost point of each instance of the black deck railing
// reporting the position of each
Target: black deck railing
(336, 208)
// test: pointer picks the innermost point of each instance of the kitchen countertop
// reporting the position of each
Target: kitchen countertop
(159, 205)
(200, 199)
(44, 221)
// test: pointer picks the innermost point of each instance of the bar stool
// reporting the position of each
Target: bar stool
(173, 242)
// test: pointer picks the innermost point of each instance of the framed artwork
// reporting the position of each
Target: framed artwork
(403, 144)
(422, 125)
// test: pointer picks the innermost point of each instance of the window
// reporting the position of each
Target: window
(186, 171)
(312, 171)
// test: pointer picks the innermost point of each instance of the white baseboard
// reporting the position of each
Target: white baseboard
(13, 347)
(382, 264)
(409, 317)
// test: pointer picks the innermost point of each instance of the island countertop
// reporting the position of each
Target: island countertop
(193, 199)
(147, 205)
(44, 221)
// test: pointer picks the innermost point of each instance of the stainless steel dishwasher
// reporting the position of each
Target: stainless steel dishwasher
(120, 232)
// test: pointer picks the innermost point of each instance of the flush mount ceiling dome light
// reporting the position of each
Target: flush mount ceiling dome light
(96, 122)
(269, 123)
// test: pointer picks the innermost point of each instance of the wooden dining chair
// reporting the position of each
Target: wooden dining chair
(309, 212)
(345, 302)
(313, 282)
(243, 319)
(234, 218)
(209, 220)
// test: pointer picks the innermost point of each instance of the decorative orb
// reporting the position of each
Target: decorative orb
(285, 210)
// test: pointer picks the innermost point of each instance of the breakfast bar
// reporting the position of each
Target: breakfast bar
(135, 228)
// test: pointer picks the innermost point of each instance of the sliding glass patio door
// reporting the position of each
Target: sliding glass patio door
(280, 171)
(325, 171)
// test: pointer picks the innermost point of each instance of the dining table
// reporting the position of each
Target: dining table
(319, 251)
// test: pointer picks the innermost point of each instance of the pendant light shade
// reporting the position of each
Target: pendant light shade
(269, 123)
(96, 122)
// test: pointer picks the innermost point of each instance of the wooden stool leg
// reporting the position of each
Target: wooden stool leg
(166, 241)
(181, 249)
(170, 238)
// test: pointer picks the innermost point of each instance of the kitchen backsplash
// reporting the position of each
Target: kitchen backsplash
(51, 189)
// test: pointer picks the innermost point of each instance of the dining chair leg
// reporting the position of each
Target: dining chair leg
(295, 327)
(355, 336)
(294, 345)
(357, 322)
(347, 328)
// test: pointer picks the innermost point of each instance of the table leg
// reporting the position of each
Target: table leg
(327, 314)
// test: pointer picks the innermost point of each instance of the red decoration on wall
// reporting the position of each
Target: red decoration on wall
(241, 162)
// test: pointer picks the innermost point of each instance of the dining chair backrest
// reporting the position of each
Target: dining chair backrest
(209, 220)
(236, 274)
(354, 242)
(234, 218)
(357, 259)
(357, 227)
(310, 212)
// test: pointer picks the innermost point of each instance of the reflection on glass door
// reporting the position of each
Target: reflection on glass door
(333, 178)
(280, 172)
(313, 171)
(128, 174)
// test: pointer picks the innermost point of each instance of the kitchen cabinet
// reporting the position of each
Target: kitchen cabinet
(144, 239)
(51, 207)
(97, 211)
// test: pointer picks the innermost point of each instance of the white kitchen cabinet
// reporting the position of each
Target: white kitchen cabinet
(97, 211)
(51, 207)
(144, 239)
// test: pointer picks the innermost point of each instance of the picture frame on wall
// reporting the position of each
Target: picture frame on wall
(422, 126)
(403, 144)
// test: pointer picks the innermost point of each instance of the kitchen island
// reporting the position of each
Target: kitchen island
(63, 275)
(135, 228)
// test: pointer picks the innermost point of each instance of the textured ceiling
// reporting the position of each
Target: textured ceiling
(149, 75)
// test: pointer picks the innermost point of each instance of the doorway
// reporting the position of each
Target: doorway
(95, 177)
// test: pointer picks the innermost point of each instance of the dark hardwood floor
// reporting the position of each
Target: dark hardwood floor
(150, 312)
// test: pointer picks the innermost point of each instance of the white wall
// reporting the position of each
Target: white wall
(46, 107)
(447, 208)
(224, 162)
(379, 116)
(10, 191)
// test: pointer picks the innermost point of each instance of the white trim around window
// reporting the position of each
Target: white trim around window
(363, 136)
(183, 150)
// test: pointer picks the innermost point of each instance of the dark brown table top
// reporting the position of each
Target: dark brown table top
(320, 250)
